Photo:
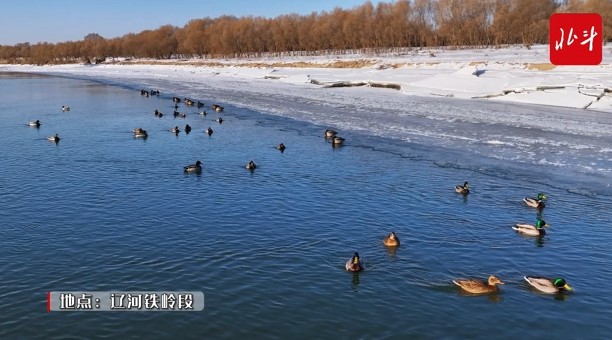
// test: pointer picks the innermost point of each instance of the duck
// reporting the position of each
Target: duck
(251, 166)
(354, 264)
(203, 112)
(65, 108)
(209, 131)
(35, 123)
(53, 138)
(392, 240)
(549, 286)
(536, 202)
(217, 108)
(337, 141)
(187, 128)
(530, 229)
(197, 167)
(330, 133)
(479, 287)
(463, 189)
(220, 120)
(140, 133)
(175, 130)
(281, 147)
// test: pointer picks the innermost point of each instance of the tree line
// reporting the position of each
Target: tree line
(383, 27)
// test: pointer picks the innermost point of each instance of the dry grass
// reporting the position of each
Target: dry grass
(540, 66)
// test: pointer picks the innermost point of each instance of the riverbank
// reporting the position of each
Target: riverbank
(513, 75)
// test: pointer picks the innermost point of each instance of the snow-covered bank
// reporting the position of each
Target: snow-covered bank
(515, 74)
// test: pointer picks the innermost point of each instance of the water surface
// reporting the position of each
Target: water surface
(101, 210)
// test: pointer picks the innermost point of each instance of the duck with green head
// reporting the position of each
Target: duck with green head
(549, 286)
(354, 264)
(530, 229)
(536, 202)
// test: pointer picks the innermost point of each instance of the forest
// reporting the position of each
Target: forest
(381, 28)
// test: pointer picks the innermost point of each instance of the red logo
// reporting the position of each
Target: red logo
(575, 38)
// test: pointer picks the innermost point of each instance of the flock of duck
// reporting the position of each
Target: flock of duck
(355, 263)
(547, 285)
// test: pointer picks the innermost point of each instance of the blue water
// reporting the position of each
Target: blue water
(101, 210)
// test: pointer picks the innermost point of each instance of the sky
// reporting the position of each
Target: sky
(55, 21)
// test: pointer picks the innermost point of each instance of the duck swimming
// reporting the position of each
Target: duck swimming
(35, 123)
(187, 128)
(479, 287)
(330, 133)
(175, 130)
(197, 167)
(209, 131)
(251, 166)
(391, 240)
(530, 229)
(536, 202)
(53, 138)
(65, 108)
(354, 264)
(549, 286)
(280, 147)
(337, 141)
(140, 133)
(462, 189)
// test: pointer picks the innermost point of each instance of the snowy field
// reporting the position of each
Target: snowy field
(514, 74)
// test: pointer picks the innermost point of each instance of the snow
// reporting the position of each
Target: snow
(512, 75)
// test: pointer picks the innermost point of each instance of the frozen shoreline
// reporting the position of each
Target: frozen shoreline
(512, 75)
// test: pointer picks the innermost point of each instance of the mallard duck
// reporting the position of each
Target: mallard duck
(330, 133)
(65, 108)
(530, 229)
(175, 130)
(462, 189)
(536, 202)
(209, 131)
(391, 240)
(549, 286)
(479, 287)
(35, 123)
(251, 166)
(197, 167)
(280, 147)
(354, 264)
(53, 138)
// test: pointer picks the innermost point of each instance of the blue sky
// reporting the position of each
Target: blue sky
(62, 20)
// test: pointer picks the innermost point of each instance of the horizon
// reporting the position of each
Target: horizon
(30, 21)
